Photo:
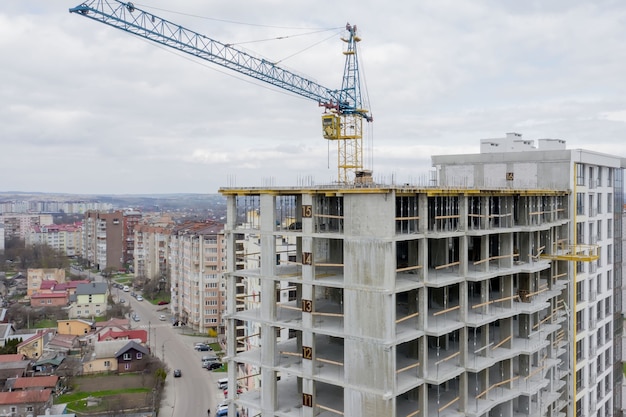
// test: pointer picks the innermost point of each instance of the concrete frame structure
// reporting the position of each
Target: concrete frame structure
(596, 183)
(477, 297)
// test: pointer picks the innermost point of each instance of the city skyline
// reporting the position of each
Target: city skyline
(92, 110)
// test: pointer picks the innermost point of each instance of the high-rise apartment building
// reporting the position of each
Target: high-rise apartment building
(131, 219)
(196, 262)
(109, 238)
(18, 225)
(496, 292)
(103, 239)
(151, 250)
(65, 238)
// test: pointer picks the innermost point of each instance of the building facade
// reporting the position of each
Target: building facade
(66, 238)
(19, 225)
(36, 276)
(151, 251)
(89, 301)
(197, 261)
(103, 244)
(491, 294)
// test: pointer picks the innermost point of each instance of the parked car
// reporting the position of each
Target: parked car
(163, 303)
(222, 410)
(202, 347)
(177, 373)
(126, 288)
(211, 366)
(139, 298)
(162, 317)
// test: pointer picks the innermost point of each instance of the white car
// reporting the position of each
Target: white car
(162, 317)
(139, 298)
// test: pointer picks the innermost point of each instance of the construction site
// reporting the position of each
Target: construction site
(494, 290)
(447, 300)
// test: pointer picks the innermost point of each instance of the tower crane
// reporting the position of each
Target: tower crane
(343, 116)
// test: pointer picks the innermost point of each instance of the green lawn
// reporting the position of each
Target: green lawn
(76, 401)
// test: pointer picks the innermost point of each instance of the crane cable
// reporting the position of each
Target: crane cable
(316, 30)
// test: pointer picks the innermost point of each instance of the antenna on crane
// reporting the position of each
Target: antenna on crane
(342, 121)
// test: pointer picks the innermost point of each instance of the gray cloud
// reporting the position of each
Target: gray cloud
(87, 108)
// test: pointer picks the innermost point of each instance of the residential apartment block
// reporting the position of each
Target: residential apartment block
(52, 206)
(151, 251)
(108, 238)
(19, 225)
(496, 292)
(196, 262)
(66, 238)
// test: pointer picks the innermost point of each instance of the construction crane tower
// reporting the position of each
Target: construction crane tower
(342, 121)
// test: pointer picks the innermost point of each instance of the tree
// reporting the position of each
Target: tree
(10, 346)
(107, 274)
(117, 310)
(68, 370)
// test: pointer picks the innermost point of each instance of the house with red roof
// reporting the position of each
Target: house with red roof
(70, 286)
(49, 299)
(51, 382)
(137, 334)
(25, 402)
(47, 285)
(12, 357)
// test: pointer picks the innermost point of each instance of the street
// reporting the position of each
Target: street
(195, 391)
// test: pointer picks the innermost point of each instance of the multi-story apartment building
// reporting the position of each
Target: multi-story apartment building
(66, 238)
(151, 251)
(52, 206)
(103, 244)
(197, 260)
(109, 238)
(2, 238)
(131, 219)
(494, 293)
(18, 225)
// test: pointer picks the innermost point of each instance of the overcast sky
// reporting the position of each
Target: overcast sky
(86, 108)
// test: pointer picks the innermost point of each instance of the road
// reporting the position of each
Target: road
(195, 391)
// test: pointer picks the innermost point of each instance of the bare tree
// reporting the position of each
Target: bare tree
(70, 368)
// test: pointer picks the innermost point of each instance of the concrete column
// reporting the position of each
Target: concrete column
(463, 388)
(484, 253)
(463, 211)
(369, 312)
(307, 337)
(484, 213)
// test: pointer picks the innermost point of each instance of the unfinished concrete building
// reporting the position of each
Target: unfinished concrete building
(430, 301)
